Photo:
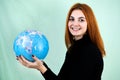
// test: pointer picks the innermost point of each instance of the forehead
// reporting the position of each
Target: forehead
(77, 13)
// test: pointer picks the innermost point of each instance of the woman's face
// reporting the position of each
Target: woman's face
(77, 24)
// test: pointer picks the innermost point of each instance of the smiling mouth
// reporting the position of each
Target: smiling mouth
(75, 28)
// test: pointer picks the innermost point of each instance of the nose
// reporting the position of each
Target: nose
(75, 23)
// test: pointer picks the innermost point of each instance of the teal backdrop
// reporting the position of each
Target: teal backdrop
(48, 16)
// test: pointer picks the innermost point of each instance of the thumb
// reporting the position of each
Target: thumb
(35, 58)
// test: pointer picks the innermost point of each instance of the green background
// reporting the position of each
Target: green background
(48, 16)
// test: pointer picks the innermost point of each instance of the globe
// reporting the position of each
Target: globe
(31, 42)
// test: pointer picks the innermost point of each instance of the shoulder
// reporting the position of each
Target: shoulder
(93, 51)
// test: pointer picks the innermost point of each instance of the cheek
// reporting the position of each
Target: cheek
(84, 26)
(69, 24)
(85, 29)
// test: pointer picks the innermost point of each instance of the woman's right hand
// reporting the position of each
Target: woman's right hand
(37, 64)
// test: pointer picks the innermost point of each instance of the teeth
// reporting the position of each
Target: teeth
(75, 28)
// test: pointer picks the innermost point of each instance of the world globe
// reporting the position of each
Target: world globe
(31, 42)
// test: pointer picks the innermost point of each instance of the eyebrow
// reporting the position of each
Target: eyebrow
(82, 17)
(71, 17)
(78, 17)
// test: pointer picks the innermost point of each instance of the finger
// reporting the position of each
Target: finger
(16, 57)
(20, 60)
(35, 58)
(38, 61)
(25, 61)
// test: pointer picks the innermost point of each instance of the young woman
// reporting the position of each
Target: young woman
(85, 48)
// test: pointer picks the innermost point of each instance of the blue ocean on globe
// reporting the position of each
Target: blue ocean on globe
(31, 42)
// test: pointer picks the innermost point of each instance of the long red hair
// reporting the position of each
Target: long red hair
(92, 27)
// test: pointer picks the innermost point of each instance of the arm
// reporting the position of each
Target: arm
(39, 65)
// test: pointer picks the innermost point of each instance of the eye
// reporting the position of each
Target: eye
(81, 19)
(71, 19)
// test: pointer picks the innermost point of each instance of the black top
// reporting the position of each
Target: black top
(83, 61)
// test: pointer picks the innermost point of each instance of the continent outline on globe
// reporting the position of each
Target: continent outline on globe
(31, 42)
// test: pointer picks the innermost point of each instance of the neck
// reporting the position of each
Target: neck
(77, 37)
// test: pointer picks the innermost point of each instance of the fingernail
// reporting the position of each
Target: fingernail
(16, 57)
(32, 55)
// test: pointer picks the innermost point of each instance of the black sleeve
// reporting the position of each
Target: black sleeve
(49, 75)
